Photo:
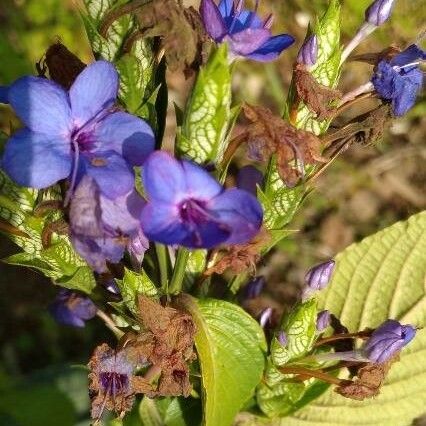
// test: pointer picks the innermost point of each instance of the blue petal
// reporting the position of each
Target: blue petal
(212, 19)
(63, 315)
(412, 54)
(248, 178)
(36, 160)
(110, 171)
(127, 135)
(272, 48)
(407, 88)
(164, 178)
(240, 211)
(160, 222)
(247, 19)
(42, 105)
(4, 94)
(226, 7)
(245, 42)
(94, 90)
(199, 183)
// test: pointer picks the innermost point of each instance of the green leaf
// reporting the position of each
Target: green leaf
(207, 116)
(134, 284)
(82, 280)
(28, 260)
(230, 346)
(379, 278)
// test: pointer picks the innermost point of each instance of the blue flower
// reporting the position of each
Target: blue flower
(248, 178)
(387, 340)
(243, 30)
(186, 206)
(400, 79)
(101, 228)
(71, 308)
(75, 133)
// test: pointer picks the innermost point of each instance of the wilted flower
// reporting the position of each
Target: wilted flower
(388, 339)
(75, 133)
(282, 338)
(323, 320)
(308, 53)
(186, 206)
(318, 277)
(379, 12)
(101, 228)
(400, 79)
(4, 95)
(243, 30)
(248, 178)
(72, 308)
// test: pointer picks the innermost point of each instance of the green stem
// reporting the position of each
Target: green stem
(179, 271)
(161, 251)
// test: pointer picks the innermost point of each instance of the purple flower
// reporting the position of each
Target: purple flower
(379, 12)
(308, 53)
(243, 30)
(387, 340)
(186, 206)
(4, 95)
(249, 178)
(71, 308)
(75, 133)
(282, 338)
(265, 317)
(323, 320)
(253, 288)
(318, 277)
(101, 228)
(400, 79)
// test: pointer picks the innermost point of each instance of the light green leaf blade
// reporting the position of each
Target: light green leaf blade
(82, 280)
(207, 117)
(230, 346)
(381, 277)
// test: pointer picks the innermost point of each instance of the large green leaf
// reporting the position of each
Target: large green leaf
(208, 116)
(381, 277)
(230, 346)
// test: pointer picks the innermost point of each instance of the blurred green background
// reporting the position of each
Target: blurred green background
(42, 380)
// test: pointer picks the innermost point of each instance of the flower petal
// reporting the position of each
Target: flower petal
(226, 7)
(247, 41)
(4, 94)
(412, 54)
(164, 178)
(212, 19)
(407, 87)
(127, 135)
(36, 160)
(272, 48)
(199, 183)
(41, 104)
(94, 90)
(110, 171)
(240, 211)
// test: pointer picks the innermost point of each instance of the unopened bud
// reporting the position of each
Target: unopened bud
(308, 53)
(265, 317)
(318, 277)
(253, 288)
(323, 320)
(282, 338)
(379, 12)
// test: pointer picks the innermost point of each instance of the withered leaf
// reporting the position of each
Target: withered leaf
(374, 58)
(241, 257)
(63, 65)
(268, 134)
(369, 380)
(318, 98)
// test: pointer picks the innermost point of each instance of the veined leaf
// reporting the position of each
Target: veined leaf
(230, 346)
(382, 277)
(207, 116)
(82, 280)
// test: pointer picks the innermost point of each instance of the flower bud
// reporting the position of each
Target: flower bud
(318, 277)
(379, 12)
(265, 317)
(282, 338)
(308, 53)
(323, 320)
(253, 288)
(388, 339)
(72, 308)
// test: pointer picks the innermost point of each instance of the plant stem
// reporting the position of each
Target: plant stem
(318, 374)
(360, 334)
(110, 323)
(161, 252)
(179, 271)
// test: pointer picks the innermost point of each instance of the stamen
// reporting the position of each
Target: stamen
(411, 64)
(74, 172)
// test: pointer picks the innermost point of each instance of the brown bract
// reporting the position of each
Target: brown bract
(318, 98)
(241, 257)
(369, 380)
(268, 134)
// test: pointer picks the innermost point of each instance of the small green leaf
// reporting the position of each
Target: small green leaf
(195, 266)
(231, 347)
(82, 280)
(381, 277)
(207, 116)
(28, 260)
(134, 284)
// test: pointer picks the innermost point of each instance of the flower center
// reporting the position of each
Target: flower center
(114, 383)
(193, 211)
(84, 139)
